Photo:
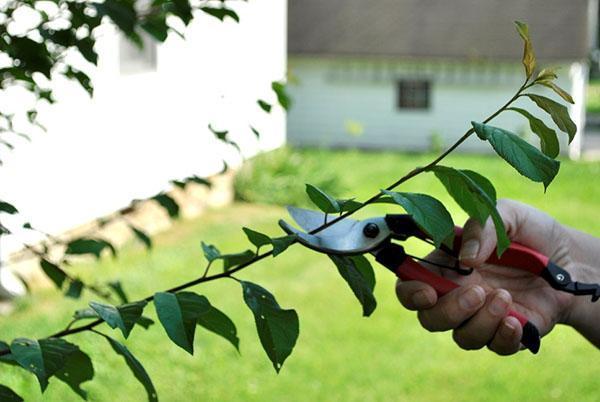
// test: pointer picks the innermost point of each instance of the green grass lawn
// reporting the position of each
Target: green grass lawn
(340, 356)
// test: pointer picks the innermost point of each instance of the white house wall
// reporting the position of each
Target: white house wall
(143, 129)
(337, 99)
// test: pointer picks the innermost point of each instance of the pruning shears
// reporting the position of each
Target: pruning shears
(351, 237)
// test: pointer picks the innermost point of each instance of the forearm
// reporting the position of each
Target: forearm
(585, 314)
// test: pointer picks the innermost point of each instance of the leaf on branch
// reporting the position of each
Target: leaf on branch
(520, 154)
(257, 238)
(264, 105)
(282, 97)
(211, 253)
(558, 90)
(117, 288)
(135, 366)
(548, 138)
(81, 77)
(558, 112)
(430, 214)
(280, 244)
(85, 313)
(233, 260)
(348, 205)
(358, 273)
(221, 13)
(77, 370)
(528, 54)
(277, 328)
(547, 74)
(141, 236)
(221, 135)
(168, 203)
(52, 271)
(8, 395)
(322, 200)
(124, 317)
(183, 10)
(156, 25)
(256, 132)
(476, 196)
(85, 245)
(217, 322)
(122, 13)
(145, 322)
(178, 313)
(199, 180)
(48, 357)
(8, 208)
(74, 289)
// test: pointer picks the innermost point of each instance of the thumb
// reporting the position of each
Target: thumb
(479, 242)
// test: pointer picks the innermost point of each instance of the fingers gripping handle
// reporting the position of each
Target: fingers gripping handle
(410, 270)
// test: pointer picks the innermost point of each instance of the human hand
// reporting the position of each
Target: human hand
(477, 311)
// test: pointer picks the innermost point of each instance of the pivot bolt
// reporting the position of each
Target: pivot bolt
(371, 230)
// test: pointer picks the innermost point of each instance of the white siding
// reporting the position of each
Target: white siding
(142, 130)
(331, 94)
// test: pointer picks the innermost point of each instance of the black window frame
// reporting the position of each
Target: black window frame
(413, 94)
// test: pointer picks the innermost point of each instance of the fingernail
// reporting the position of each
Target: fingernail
(507, 329)
(469, 250)
(422, 298)
(472, 298)
(499, 304)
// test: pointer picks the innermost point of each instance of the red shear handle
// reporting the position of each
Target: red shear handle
(516, 256)
(410, 270)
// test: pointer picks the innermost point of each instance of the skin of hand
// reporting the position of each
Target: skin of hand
(476, 312)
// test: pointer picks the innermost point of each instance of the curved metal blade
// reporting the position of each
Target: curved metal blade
(344, 237)
(309, 220)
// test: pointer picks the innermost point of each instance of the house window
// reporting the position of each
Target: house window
(413, 94)
(134, 60)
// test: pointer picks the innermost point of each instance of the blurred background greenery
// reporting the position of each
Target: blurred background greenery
(340, 356)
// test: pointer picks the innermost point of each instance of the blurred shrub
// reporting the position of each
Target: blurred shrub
(279, 177)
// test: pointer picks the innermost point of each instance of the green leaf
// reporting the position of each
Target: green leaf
(199, 180)
(124, 317)
(142, 236)
(547, 74)
(548, 138)
(558, 112)
(8, 395)
(558, 90)
(282, 97)
(183, 9)
(85, 313)
(217, 322)
(232, 260)
(358, 273)
(74, 289)
(178, 313)
(156, 25)
(8, 208)
(86, 245)
(168, 203)
(476, 196)
(136, 368)
(277, 328)
(256, 132)
(117, 287)
(121, 12)
(221, 135)
(257, 238)
(520, 154)
(56, 275)
(211, 253)
(264, 105)
(528, 54)
(221, 13)
(348, 205)
(77, 370)
(280, 244)
(322, 200)
(145, 322)
(44, 357)
(428, 213)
